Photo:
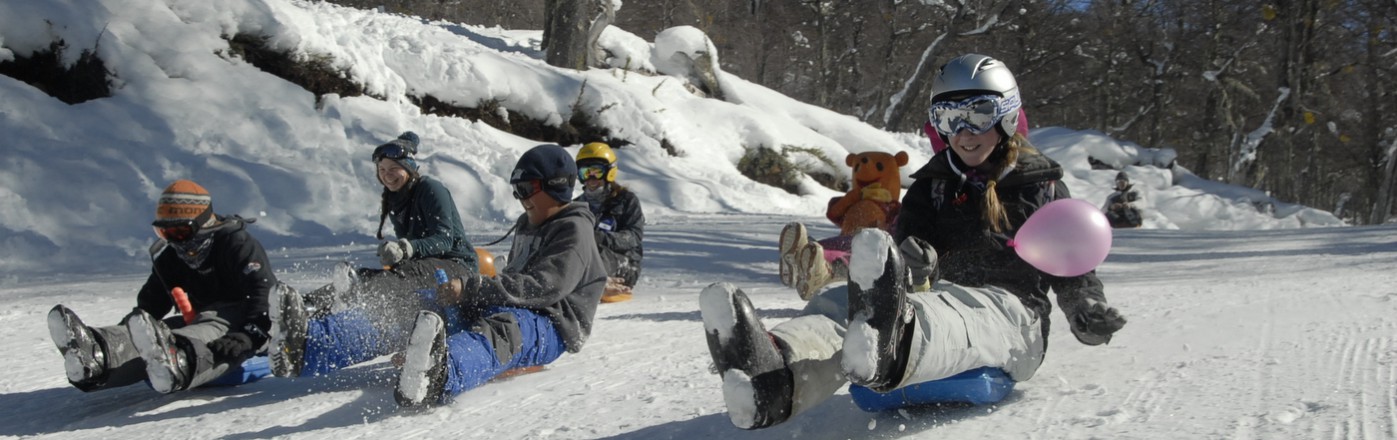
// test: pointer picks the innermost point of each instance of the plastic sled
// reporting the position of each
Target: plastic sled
(251, 370)
(979, 386)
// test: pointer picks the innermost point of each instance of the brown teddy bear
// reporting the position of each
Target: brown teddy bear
(874, 198)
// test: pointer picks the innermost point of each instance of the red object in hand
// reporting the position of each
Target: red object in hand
(182, 302)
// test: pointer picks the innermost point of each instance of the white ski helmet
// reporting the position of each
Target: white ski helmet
(975, 74)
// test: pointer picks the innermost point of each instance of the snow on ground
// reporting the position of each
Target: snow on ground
(1239, 335)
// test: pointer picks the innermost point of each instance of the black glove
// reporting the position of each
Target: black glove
(920, 259)
(1093, 322)
(232, 347)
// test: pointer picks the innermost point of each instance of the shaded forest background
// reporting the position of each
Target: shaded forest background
(1294, 97)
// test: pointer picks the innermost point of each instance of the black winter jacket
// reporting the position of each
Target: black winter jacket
(236, 271)
(943, 208)
(620, 232)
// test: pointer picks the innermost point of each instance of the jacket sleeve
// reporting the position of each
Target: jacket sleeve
(553, 272)
(435, 203)
(630, 227)
(252, 273)
(153, 298)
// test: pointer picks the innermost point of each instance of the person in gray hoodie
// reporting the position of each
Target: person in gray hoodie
(538, 306)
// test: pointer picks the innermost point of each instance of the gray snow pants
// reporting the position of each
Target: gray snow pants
(124, 363)
(957, 329)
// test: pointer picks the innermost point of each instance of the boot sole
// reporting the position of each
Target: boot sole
(150, 343)
(807, 258)
(69, 335)
(869, 347)
(415, 382)
(286, 349)
(752, 401)
(791, 237)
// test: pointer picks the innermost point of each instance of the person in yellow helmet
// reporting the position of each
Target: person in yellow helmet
(620, 226)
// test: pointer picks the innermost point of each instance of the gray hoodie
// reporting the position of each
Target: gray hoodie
(554, 269)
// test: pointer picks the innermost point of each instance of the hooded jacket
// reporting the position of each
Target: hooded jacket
(553, 269)
(943, 207)
(426, 216)
(236, 271)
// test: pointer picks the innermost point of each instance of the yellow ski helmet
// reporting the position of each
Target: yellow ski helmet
(597, 153)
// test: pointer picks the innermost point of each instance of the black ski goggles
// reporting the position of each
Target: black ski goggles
(526, 189)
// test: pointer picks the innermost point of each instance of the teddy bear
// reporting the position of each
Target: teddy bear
(874, 194)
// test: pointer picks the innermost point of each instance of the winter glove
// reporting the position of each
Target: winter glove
(601, 237)
(392, 252)
(920, 259)
(1093, 322)
(231, 347)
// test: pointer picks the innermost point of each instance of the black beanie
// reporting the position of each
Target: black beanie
(550, 164)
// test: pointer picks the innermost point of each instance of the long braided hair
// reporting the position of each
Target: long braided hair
(1007, 157)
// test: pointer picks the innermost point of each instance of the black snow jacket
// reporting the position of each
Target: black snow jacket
(236, 271)
(553, 269)
(426, 216)
(620, 232)
(943, 208)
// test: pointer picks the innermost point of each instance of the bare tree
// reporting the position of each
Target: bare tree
(983, 17)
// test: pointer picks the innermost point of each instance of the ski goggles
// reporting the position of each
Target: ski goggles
(979, 114)
(526, 189)
(176, 232)
(592, 172)
(391, 150)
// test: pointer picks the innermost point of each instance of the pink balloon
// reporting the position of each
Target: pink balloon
(1066, 238)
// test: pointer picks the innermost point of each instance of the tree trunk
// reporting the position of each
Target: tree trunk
(566, 27)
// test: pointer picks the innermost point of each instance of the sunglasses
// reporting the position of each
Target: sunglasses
(391, 151)
(526, 189)
(592, 172)
(979, 114)
(178, 232)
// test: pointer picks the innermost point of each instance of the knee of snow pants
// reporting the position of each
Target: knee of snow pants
(811, 345)
(961, 328)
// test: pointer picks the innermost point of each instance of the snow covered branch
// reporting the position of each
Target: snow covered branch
(1246, 152)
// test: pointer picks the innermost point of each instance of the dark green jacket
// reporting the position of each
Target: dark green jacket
(426, 216)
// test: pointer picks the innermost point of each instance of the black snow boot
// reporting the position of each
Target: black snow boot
(423, 377)
(876, 347)
(167, 365)
(83, 355)
(288, 346)
(757, 385)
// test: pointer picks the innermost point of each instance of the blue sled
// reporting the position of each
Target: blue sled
(250, 371)
(979, 386)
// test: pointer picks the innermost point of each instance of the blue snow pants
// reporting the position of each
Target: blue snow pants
(471, 361)
(346, 338)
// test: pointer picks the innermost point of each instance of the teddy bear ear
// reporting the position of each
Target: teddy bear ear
(901, 158)
(851, 159)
